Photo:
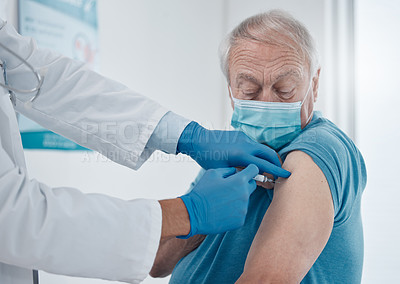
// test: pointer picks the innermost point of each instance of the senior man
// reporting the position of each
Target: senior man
(308, 229)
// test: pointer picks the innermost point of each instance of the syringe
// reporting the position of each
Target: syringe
(262, 178)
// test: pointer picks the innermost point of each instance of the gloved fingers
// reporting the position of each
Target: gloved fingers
(248, 173)
(269, 154)
(268, 167)
(226, 172)
(253, 186)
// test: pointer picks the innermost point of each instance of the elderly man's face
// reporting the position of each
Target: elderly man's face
(272, 74)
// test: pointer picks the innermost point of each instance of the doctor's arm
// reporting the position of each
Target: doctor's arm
(169, 253)
(295, 228)
(63, 231)
(82, 105)
(106, 116)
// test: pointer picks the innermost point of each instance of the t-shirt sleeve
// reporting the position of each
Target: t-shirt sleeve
(339, 160)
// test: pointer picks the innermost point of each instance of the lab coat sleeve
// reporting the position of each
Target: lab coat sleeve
(63, 231)
(82, 105)
(166, 135)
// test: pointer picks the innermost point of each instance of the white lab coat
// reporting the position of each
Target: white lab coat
(61, 230)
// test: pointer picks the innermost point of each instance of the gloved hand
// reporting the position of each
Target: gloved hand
(220, 149)
(219, 201)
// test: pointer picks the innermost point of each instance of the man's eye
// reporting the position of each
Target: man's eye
(285, 93)
(250, 93)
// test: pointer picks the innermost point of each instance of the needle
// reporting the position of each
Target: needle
(262, 178)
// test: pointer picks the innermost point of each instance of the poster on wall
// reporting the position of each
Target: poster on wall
(68, 27)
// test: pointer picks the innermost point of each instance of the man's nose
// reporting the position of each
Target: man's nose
(266, 95)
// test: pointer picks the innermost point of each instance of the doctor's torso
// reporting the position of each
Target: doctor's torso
(11, 148)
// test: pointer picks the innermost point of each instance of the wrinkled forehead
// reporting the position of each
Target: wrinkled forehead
(254, 61)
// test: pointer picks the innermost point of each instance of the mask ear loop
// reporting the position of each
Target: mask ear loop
(230, 91)
(302, 102)
(308, 91)
(231, 96)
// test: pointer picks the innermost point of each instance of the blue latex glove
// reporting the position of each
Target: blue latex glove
(220, 149)
(219, 201)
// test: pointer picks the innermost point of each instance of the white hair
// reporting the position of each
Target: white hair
(274, 27)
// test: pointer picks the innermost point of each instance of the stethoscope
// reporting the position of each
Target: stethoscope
(39, 78)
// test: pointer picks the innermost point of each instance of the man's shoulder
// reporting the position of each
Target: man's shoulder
(337, 157)
(322, 137)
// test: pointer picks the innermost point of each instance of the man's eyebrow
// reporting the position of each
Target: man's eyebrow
(247, 77)
(287, 73)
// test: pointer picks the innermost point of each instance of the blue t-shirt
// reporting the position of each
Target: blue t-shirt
(221, 258)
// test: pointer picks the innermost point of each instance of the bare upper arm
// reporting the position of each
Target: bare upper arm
(296, 226)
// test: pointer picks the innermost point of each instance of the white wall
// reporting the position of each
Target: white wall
(378, 132)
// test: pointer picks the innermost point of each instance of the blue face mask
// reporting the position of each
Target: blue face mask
(271, 123)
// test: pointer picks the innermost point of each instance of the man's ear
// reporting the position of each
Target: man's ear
(316, 84)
